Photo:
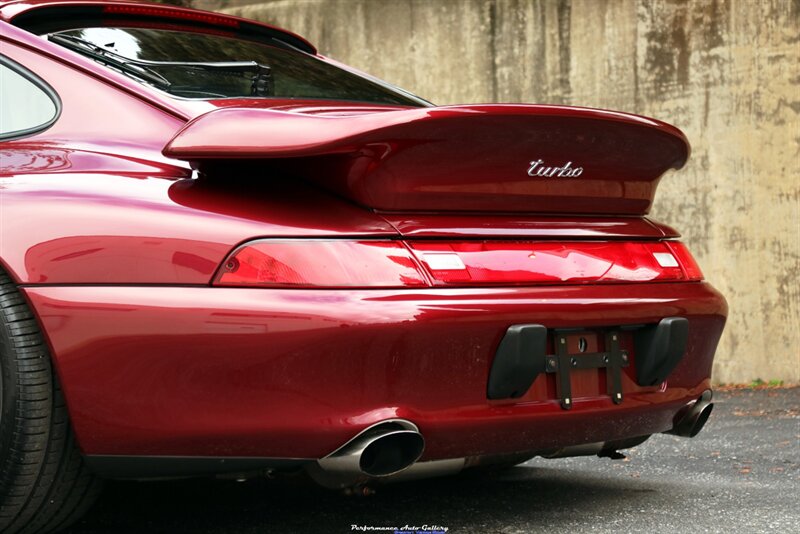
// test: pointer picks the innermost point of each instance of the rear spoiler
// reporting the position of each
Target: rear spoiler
(500, 158)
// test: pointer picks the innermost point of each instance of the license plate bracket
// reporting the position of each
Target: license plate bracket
(612, 359)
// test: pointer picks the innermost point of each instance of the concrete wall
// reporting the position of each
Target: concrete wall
(726, 72)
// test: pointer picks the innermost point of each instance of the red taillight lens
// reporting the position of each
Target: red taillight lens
(172, 13)
(330, 264)
(686, 260)
(391, 264)
(577, 262)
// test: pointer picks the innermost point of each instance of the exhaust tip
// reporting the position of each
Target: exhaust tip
(381, 450)
(700, 422)
(391, 453)
(692, 421)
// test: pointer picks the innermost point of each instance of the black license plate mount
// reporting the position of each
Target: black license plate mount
(612, 359)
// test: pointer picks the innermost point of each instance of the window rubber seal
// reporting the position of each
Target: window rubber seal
(39, 83)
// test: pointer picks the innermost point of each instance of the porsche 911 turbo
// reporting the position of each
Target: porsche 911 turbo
(225, 254)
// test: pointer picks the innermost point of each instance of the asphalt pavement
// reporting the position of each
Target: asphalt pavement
(741, 474)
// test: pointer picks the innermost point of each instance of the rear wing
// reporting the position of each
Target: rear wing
(498, 158)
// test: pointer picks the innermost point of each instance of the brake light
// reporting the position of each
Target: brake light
(687, 261)
(172, 13)
(317, 263)
(391, 264)
(481, 263)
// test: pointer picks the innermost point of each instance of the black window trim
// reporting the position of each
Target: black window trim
(39, 83)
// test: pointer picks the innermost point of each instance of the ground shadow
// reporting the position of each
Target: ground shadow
(533, 496)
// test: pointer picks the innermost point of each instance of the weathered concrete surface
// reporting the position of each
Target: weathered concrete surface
(726, 72)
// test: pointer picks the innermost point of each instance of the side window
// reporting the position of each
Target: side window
(27, 104)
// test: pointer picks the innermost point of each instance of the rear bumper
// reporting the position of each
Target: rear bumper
(198, 371)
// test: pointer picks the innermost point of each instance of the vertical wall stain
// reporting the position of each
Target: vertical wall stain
(564, 48)
(637, 106)
(493, 50)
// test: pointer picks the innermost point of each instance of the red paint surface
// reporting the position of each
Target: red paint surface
(265, 372)
(135, 229)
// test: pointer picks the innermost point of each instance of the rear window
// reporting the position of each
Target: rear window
(207, 66)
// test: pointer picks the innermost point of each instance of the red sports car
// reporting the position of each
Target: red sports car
(223, 253)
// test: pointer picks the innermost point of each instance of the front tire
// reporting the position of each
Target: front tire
(44, 483)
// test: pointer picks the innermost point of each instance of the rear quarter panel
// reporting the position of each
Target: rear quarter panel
(92, 200)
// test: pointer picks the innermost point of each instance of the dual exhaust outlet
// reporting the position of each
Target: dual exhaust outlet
(390, 450)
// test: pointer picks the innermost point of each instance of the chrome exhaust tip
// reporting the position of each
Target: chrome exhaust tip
(381, 450)
(690, 422)
(391, 453)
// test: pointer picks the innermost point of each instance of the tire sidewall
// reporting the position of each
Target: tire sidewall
(8, 396)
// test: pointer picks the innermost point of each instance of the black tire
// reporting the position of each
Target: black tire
(44, 484)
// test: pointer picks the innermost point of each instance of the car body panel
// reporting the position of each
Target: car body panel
(138, 229)
(295, 373)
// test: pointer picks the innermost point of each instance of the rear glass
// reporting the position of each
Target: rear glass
(208, 66)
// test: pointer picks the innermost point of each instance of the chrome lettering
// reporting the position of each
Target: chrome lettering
(538, 168)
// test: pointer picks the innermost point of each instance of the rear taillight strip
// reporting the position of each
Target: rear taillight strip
(341, 263)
